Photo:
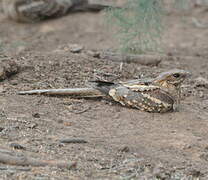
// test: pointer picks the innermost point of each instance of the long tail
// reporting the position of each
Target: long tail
(78, 92)
(37, 10)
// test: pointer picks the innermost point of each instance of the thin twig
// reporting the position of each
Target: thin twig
(148, 60)
(81, 111)
(70, 140)
(4, 168)
(27, 161)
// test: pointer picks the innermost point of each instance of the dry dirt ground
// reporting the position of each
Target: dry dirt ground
(122, 143)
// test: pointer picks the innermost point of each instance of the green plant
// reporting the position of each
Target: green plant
(139, 24)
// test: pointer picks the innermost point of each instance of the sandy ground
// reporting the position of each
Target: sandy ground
(122, 143)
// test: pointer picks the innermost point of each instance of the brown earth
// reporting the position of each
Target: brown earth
(122, 143)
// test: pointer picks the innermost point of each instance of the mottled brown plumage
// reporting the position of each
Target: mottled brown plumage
(37, 10)
(151, 95)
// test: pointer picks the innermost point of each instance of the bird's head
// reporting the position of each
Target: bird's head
(172, 78)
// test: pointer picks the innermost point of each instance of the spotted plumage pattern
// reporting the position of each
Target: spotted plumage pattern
(151, 95)
(37, 10)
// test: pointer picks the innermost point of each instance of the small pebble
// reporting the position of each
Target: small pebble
(124, 149)
(36, 115)
(95, 54)
(32, 125)
(75, 48)
(17, 146)
(201, 82)
(1, 129)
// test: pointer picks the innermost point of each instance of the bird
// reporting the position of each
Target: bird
(155, 95)
(30, 11)
(151, 95)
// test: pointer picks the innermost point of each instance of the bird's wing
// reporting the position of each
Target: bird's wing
(144, 97)
(102, 86)
(140, 85)
(145, 81)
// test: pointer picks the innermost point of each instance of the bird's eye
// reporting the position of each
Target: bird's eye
(176, 75)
